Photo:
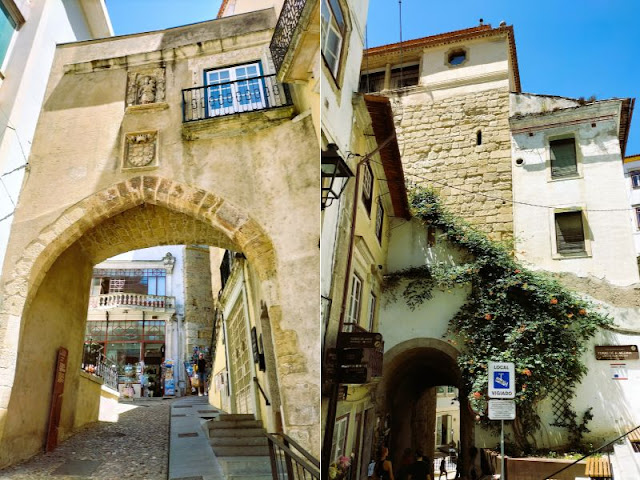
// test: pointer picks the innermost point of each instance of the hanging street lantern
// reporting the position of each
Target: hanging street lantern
(335, 175)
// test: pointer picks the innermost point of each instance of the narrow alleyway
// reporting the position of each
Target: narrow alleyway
(136, 447)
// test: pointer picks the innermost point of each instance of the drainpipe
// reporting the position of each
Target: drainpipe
(327, 441)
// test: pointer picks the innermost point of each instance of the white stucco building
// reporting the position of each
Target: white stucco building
(29, 32)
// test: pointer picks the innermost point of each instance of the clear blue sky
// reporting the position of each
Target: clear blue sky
(573, 48)
(135, 16)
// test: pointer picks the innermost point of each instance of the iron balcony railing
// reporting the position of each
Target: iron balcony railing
(94, 362)
(248, 95)
(289, 461)
(285, 28)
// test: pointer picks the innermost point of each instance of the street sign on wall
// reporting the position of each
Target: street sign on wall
(502, 380)
(502, 409)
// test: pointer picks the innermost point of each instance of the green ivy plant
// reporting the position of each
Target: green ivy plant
(511, 314)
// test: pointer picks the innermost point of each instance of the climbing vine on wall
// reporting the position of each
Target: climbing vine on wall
(511, 314)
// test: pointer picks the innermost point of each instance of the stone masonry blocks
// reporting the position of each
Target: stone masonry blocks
(438, 139)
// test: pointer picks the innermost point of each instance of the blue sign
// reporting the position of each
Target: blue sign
(501, 380)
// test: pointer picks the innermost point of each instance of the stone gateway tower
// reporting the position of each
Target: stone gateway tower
(450, 97)
(133, 150)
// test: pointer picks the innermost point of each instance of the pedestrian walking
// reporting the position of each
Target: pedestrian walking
(421, 468)
(202, 368)
(405, 463)
(384, 469)
(443, 468)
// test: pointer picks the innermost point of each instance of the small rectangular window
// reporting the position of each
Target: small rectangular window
(637, 217)
(563, 157)
(635, 179)
(379, 221)
(332, 28)
(367, 188)
(339, 443)
(355, 301)
(569, 232)
(372, 311)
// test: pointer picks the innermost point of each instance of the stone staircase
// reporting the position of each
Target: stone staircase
(240, 446)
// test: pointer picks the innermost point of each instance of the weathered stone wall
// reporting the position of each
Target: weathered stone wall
(198, 299)
(437, 140)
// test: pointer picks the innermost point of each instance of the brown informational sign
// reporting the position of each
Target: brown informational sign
(354, 375)
(617, 352)
(56, 398)
(359, 340)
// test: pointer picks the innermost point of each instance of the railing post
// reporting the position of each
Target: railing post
(272, 456)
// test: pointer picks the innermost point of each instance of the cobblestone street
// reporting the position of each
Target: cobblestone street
(136, 447)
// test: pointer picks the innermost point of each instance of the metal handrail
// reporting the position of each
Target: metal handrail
(238, 96)
(549, 477)
(295, 466)
(264, 395)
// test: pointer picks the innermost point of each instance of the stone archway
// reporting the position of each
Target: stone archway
(406, 395)
(46, 292)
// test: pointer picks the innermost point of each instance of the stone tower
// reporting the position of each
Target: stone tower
(451, 107)
(198, 299)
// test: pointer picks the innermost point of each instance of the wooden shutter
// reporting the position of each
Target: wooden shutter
(563, 157)
(569, 232)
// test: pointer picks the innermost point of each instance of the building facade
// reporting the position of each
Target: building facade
(163, 167)
(29, 32)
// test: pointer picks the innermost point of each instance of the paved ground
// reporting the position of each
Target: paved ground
(137, 447)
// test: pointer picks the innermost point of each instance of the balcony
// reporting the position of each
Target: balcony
(240, 96)
(137, 301)
(296, 37)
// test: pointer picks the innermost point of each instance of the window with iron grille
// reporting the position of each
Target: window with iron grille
(569, 232)
(332, 26)
(635, 179)
(563, 157)
(379, 220)
(367, 188)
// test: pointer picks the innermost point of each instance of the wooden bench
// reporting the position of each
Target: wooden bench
(598, 468)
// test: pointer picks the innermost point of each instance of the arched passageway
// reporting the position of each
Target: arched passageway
(46, 295)
(407, 397)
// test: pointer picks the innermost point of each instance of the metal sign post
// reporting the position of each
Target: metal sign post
(502, 386)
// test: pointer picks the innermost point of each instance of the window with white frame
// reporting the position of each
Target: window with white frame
(235, 89)
(635, 179)
(379, 220)
(367, 188)
(339, 443)
(564, 161)
(570, 238)
(355, 300)
(332, 26)
(372, 310)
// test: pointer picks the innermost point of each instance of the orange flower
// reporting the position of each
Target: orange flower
(477, 395)
(526, 372)
(554, 301)
(488, 316)
(569, 315)
(582, 311)
(516, 271)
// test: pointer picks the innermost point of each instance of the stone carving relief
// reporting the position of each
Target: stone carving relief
(140, 149)
(145, 87)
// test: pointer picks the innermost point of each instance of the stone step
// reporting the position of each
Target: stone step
(235, 432)
(251, 476)
(221, 424)
(234, 441)
(240, 451)
(250, 466)
(236, 416)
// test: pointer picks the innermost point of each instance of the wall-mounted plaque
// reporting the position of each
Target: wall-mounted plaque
(617, 352)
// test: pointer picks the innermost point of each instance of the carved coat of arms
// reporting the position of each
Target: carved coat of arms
(140, 149)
